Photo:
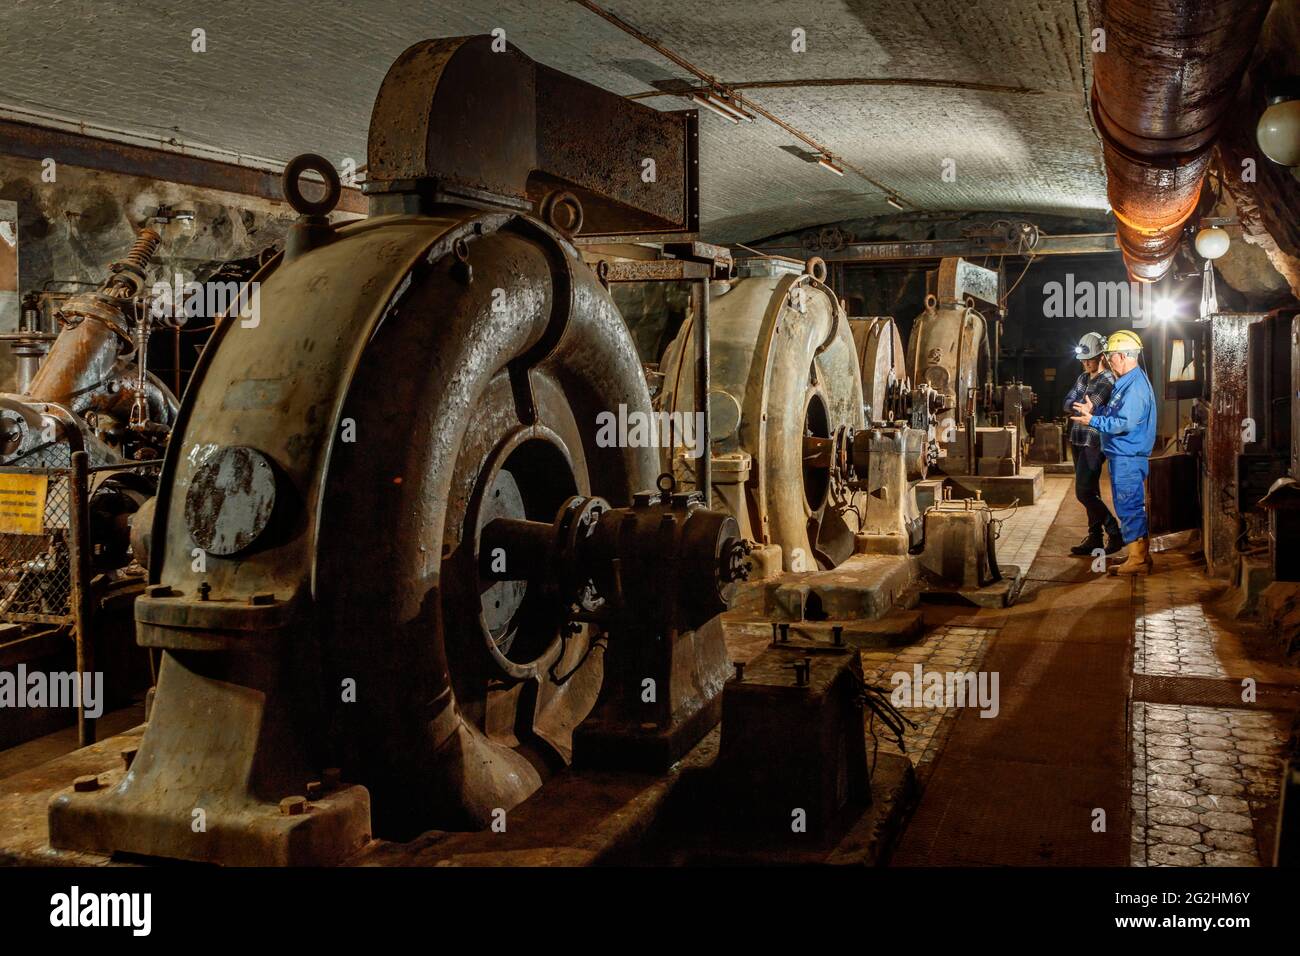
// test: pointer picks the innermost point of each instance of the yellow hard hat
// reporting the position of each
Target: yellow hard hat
(1124, 341)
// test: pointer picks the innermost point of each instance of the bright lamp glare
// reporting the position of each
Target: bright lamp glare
(1165, 309)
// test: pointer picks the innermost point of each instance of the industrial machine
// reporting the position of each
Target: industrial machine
(821, 442)
(1049, 446)
(79, 455)
(822, 446)
(404, 571)
(784, 388)
(397, 578)
(92, 391)
(903, 440)
(981, 427)
(817, 438)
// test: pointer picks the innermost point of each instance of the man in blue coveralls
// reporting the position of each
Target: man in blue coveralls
(1127, 423)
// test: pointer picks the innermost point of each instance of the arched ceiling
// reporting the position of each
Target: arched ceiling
(893, 87)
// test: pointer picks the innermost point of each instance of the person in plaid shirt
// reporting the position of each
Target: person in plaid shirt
(1096, 383)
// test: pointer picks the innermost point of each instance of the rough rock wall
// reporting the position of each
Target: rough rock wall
(1269, 207)
(69, 230)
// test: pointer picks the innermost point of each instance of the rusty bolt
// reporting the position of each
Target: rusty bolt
(128, 756)
(204, 590)
(801, 671)
(314, 789)
(740, 670)
(775, 633)
(293, 806)
(837, 635)
(86, 784)
(785, 633)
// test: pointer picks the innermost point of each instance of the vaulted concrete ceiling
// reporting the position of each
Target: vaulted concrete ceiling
(294, 76)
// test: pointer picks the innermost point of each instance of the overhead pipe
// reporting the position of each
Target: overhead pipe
(1169, 72)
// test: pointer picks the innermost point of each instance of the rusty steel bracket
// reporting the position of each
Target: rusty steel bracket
(959, 278)
(525, 133)
(671, 262)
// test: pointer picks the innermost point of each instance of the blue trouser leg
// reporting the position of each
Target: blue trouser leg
(1128, 474)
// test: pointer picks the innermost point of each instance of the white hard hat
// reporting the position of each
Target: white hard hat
(1090, 346)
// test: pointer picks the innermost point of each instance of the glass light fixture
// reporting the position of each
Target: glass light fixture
(1212, 243)
(1278, 132)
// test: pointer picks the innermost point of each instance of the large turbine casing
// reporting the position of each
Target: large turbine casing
(395, 555)
(783, 369)
(386, 404)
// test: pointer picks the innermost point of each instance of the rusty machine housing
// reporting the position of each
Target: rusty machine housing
(783, 386)
(982, 427)
(80, 448)
(426, 586)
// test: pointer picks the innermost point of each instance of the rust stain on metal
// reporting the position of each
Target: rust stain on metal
(1160, 93)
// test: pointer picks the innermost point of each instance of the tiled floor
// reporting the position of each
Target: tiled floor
(1203, 777)
(947, 649)
(958, 647)
(1023, 530)
(1199, 775)
(1171, 634)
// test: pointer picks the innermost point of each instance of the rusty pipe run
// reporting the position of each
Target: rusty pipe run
(1161, 88)
(96, 328)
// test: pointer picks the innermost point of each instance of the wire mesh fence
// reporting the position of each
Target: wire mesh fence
(36, 565)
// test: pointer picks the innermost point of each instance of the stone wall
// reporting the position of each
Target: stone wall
(1269, 204)
(71, 229)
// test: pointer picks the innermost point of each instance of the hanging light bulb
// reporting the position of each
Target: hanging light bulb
(1278, 132)
(1212, 243)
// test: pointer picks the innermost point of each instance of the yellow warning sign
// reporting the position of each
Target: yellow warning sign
(22, 502)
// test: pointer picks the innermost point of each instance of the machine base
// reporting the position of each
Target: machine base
(865, 587)
(1002, 593)
(577, 819)
(302, 832)
(1025, 488)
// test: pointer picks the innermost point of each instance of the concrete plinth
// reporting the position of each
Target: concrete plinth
(1025, 488)
(865, 587)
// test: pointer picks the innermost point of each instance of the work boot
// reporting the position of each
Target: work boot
(1138, 560)
(1114, 539)
(1089, 544)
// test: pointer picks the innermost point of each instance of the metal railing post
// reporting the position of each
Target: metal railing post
(82, 613)
(704, 469)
